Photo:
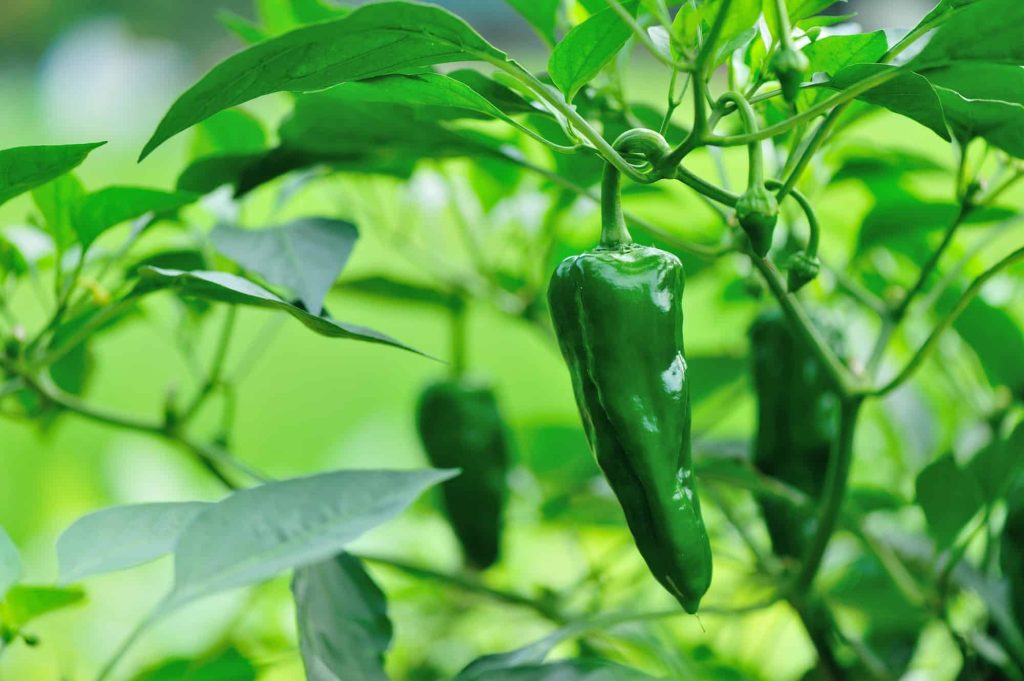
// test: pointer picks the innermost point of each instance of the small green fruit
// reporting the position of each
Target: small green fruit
(757, 212)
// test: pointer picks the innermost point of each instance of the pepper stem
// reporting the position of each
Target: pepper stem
(614, 233)
(755, 163)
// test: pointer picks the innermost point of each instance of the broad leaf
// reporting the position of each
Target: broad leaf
(908, 94)
(344, 630)
(257, 533)
(226, 132)
(984, 31)
(57, 201)
(737, 30)
(587, 48)
(374, 40)
(10, 563)
(99, 211)
(122, 537)
(997, 466)
(228, 288)
(998, 341)
(383, 286)
(26, 603)
(830, 55)
(504, 98)
(304, 256)
(983, 100)
(25, 168)
(949, 497)
(542, 15)
(229, 665)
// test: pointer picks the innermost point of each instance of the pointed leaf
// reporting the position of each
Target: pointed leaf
(25, 168)
(343, 622)
(10, 563)
(542, 15)
(122, 537)
(585, 50)
(228, 288)
(257, 533)
(909, 95)
(305, 256)
(229, 665)
(57, 201)
(26, 603)
(374, 40)
(983, 31)
(99, 211)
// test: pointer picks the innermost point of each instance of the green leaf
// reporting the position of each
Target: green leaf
(542, 15)
(122, 537)
(909, 95)
(99, 211)
(10, 563)
(949, 497)
(226, 132)
(802, 9)
(25, 168)
(383, 286)
(229, 665)
(587, 669)
(737, 30)
(504, 98)
(344, 629)
(587, 48)
(983, 100)
(11, 259)
(374, 40)
(259, 532)
(27, 603)
(998, 341)
(997, 466)
(984, 31)
(304, 256)
(830, 55)
(57, 201)
(228, 288)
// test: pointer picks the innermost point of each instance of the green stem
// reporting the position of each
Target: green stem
(101, 318)
(839, 98)
(970, 294)
(836, 480)
(458, 339)
(213, 379)
(933, 261)
(785, 29)
(755, 161)
(705, 188)
(614, 233)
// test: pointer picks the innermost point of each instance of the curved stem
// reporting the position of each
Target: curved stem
(704, 187)
(970, 294)
(813, 226)
(804, 116)
(836, 480)
(755, 161)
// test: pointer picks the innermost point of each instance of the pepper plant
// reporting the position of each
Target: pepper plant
(750, 148)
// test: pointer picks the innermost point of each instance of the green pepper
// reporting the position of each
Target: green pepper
(790, 66)
(461, 426)
(798, 411)
(617, 312)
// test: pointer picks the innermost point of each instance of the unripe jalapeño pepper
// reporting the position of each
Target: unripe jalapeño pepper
(617, 312)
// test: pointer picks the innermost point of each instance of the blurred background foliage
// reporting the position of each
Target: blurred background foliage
(72, 70)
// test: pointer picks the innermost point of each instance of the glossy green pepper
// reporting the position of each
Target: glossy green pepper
(617, 312)
(757, 212)
(461, 426)
(798, 411)
(790, 66)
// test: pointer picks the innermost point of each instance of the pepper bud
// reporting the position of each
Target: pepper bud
(790, 66)
(757, 212)
(803, 269)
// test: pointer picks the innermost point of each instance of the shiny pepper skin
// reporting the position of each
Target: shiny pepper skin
(790, 66)
(797, 421)
(460, 426)
(618, 316)
(757, 212)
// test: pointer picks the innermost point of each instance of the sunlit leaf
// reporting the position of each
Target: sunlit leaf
(27, 603)
(99, 211)
(542, 15)
(10, 563)
(587, 48)
(25, 168)
(229, 665)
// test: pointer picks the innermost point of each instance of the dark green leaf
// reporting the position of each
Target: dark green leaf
(587, 48)
(10, 563)
(909, 95)
(121, 537)
(27, 603)
(949, 497)
(997, 466)
(866, 587)
(249, 31)
(259, 532)
(504, 98)
(983, 100)
(588, 669)
(393, 289)
(304, 256)
(542, 15)
(983, 31)
(998, 341)
(229, 665)
(58, 202)
(11, 259)
(344, 630)
(737, 30)
(25, 168)
(99, 211)
(227, 288)
(374, 40)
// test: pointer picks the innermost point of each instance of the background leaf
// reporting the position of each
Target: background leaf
(256, 533)
(542, 15)
(122, 537)
(229, 665)
(10, 563)
(25, 168)
(305, 256)
(27, 603)
(949, 496)
(343, 622)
